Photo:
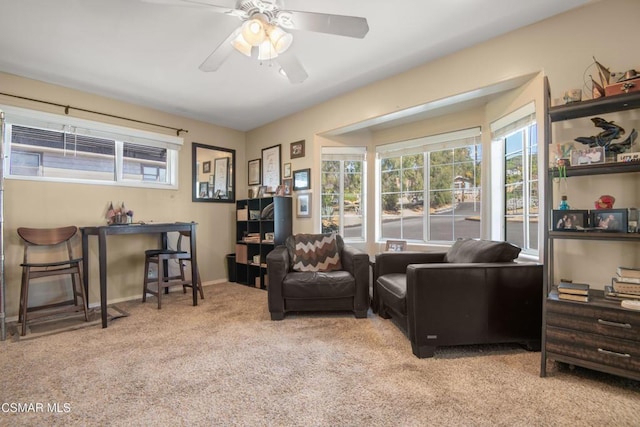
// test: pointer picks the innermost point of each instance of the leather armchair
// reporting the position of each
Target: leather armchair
(342, 290)
(440, 303)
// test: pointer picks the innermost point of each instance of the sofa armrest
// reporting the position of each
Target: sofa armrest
(454, 303)
(356, 262)
(277, 268)
(397, 262)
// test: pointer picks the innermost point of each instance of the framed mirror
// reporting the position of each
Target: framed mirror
(213, 174)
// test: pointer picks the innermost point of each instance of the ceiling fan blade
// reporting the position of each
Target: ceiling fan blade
(220, 54)
(201, 3)
(341, 25)
(292, 68)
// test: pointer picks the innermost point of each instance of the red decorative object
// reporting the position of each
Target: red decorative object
(605, 202)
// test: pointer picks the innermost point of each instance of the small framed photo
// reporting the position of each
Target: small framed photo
(204, 189)
(280, 190)
(396, 246)
(303, 205)
(587, 156)
(254, 172)
(287, 170)
(301, 179)
(262, 190)
(288, 186)
(570, 220)
(610, 220)
(206, 167)
(297, 149)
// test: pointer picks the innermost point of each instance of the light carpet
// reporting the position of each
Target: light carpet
(225, 362)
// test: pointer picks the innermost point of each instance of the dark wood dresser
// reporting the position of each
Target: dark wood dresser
(599, 334)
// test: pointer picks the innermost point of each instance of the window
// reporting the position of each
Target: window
(343, 192)
(50, 147)
(515, 141)
(445, 171)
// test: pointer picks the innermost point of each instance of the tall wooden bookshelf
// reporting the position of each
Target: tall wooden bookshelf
(253, 227)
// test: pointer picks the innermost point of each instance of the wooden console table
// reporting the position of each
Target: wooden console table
(103, 231)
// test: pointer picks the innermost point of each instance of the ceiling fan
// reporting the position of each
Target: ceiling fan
(262, 33)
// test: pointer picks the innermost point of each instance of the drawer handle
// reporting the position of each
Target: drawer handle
(613, 353)
(619, 325)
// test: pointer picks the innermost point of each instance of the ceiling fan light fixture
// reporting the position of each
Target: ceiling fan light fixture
(241, 45)
(267, 51)
(254, 30)
(280, 39)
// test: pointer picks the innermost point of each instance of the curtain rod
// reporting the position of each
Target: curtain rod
(69, 107)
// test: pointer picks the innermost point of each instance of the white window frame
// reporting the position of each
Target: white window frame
(519, 120)
(424, 145)
(346, 154)
(119, 134)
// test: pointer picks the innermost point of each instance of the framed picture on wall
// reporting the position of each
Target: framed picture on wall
(288, 186)
(303, 205)
(297, 149)
(206, 167)
(302, 179)
(254, 172)
(271, 167)
(287, 170)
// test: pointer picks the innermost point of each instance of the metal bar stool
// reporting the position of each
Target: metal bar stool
(163, 281)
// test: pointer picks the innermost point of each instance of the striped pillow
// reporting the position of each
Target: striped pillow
(316, 252)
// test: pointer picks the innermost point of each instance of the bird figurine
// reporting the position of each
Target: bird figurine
(608, 137)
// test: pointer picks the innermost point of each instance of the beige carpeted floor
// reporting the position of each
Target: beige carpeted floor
(225, 363)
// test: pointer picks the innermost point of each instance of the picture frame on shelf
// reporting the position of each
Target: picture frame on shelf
(288, 186)
(570, 219)
(287, 170)
(587, 156)
(396, 246)
(297, 149)
(206, 167)
(271, 166)
(262, 191)
(302, 179)
(610, 220)
(253, 172)
(303, 205)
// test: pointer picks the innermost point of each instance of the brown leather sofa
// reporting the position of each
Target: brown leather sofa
(439, 301)
(345, 289)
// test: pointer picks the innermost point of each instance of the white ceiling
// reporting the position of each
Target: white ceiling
(149, 54)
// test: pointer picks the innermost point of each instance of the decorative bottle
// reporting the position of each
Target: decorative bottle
(563, 204)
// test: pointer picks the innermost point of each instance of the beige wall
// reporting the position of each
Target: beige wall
(36, 204)
(561, 47)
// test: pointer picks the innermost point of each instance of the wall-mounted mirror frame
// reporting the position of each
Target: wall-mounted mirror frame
(213, 173)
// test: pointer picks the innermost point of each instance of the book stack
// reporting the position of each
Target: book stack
(251, 238)
(627, 282)
(573, 291)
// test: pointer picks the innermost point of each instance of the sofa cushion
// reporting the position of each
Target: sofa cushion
(314, 252)
(319, 284)
(392, 291)
(477, 250)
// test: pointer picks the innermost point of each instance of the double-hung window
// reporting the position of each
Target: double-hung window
(516, 183)
(343, 191)
(443, 170)
(50, 147)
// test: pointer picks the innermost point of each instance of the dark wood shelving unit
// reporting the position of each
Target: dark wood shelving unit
(279, 223)
(598, 169)
(598, 334)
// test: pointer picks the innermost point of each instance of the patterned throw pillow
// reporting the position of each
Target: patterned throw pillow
(316, 252)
